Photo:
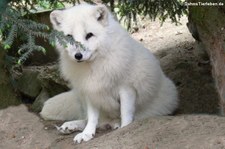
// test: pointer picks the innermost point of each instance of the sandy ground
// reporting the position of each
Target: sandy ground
(194, 125)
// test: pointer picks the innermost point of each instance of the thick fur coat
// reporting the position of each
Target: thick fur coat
(114, 78)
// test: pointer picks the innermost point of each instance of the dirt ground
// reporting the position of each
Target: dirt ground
(194, 125)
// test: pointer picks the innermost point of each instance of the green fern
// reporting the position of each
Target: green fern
(60, 38)
(12, 25)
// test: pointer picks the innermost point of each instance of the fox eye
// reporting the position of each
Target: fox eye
(69, 36)
(89, 35)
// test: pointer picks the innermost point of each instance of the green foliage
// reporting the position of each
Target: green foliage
(60, 37)
(16, 23)
(45, 4)
(163, 9)
(15, 26)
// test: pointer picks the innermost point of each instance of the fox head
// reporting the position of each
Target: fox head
(88, 25)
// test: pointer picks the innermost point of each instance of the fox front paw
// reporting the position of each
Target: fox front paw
(83, 137)
(69, 127)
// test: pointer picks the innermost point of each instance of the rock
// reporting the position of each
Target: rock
(28, 84)
(22, 129)
(39, 101)
(51, 80)
(207, 25)
(184, 131)
(8, 96)
(39, 83)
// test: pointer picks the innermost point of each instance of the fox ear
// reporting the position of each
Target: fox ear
(56, 18)
(101, 14)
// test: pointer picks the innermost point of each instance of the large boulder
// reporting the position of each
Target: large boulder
(207, 25)
(38, 83)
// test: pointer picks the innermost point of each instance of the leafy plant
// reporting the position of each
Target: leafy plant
(162, 9)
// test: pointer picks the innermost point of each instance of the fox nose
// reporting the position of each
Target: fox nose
(78, 56)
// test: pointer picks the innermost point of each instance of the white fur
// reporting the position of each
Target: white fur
(116, 78)
(63, 107)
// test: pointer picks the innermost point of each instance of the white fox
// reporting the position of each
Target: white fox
(114, 79)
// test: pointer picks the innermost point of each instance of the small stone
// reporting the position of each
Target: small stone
(178, 33)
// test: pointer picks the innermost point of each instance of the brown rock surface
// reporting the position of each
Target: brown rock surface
(20, 129)
(208, 24)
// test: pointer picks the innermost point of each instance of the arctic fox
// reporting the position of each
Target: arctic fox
(114, 79)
